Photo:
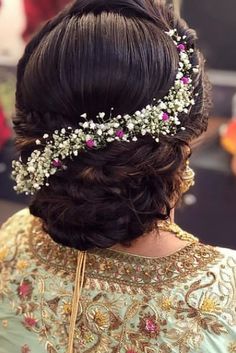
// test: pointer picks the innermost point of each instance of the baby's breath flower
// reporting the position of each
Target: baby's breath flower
(159, 118)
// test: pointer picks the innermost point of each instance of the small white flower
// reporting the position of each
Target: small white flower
(162, 105)
(38, 142)
(110, 139)
(101, 115)
(171, 32)
(179, 75)
(99, 132)
(84, 115)
(85, 125)
(31, 169)
(130, 126)
(45, 136)
(92, 125)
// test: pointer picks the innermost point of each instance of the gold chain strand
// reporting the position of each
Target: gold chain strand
(79, 281)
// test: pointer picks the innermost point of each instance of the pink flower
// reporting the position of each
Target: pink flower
(57, 163)
(30, 321)
(24, 289)
(25, 349)
(90, 143)
(165, 117)
(120, 133)
(181, 47)
(185, 80)
(150, 325)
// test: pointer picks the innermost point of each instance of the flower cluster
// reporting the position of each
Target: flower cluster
(159, 118)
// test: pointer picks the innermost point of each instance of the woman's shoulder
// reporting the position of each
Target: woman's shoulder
(16, 227)
(228, 257)
(21, 217)
(17, 224)
(224, 260)
(227, 263)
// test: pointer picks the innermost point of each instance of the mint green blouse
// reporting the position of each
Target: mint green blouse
(182, 303)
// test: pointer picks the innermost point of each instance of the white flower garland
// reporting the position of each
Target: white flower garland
(160, 118)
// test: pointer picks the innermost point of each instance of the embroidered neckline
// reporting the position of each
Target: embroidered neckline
(132, 270)
(119, 267)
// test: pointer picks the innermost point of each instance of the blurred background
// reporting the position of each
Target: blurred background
(209, 209)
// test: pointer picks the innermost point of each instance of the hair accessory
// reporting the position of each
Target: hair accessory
(159, 118)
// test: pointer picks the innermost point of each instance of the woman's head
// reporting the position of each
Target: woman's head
(94, 56)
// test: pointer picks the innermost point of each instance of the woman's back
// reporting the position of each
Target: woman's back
(185, 302)
(110, 95)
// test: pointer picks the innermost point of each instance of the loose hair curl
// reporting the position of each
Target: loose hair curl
(94, 56)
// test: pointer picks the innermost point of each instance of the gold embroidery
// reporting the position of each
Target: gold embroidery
(128, 269)
(232, 347)
(22, 265)
(5, 323)
(210, 304)
(128, 305)
(3, 253)
(66, 308)
(165, 304)
(132, 270)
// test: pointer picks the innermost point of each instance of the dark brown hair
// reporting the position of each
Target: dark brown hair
(94, 56)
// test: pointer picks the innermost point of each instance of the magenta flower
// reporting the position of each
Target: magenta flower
(181, 47)
(185, 80)
(25, 289)
(165, 117)
(151, 326)
(56, 163)
(30, 321)
(120, 133)
(90, 143)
